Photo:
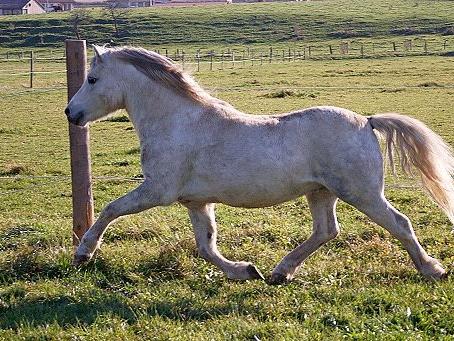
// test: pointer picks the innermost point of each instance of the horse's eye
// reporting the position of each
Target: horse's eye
(92, 80)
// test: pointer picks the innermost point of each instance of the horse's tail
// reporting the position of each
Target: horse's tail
(419, 147)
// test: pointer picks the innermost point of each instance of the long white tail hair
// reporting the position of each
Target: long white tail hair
(419, 147)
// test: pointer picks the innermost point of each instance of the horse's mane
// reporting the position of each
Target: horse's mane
(163, 70)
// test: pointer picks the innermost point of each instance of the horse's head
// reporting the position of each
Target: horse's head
(114, 74)
(101, 93)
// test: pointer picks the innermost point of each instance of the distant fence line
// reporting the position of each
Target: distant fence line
(232, 58)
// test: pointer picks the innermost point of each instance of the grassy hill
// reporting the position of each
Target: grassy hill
(219, 25)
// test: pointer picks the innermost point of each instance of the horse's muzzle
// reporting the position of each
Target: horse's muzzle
(74, 119)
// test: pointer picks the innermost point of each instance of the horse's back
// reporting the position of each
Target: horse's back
(258, 161)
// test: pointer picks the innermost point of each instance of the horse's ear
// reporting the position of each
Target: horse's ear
(98, 53)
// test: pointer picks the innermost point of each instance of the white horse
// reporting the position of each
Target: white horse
(198, 150)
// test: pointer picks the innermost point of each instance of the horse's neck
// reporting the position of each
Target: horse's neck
(160, 111)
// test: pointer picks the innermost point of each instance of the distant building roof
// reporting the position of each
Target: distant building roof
(13, 4)
(42, 2)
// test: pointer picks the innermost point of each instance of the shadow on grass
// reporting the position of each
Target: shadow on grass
(66, 311)
(84, 311)
(29, 264)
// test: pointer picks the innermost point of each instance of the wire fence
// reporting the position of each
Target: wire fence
(231, 58)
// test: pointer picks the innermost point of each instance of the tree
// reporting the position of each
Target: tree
(117, 13)
(78, 18)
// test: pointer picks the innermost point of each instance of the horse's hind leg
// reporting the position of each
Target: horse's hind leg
(322, 204)
(384, 214)
(205, 230)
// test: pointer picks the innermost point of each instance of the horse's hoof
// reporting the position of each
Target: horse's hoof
(277, 279)
(436, 273)
(80, 259)
(254, 273)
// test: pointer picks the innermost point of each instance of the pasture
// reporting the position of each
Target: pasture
(147, 281)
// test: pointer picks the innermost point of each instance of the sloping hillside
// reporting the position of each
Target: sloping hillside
(239, 23)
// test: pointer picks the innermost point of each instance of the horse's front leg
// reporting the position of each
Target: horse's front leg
(205, 230)
(139, 199)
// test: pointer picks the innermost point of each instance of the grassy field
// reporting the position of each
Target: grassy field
(147, 281)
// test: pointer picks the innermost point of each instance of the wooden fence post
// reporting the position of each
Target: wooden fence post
(82, 198)
(31, 69)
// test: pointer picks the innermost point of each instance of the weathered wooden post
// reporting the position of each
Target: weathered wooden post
(82, 198)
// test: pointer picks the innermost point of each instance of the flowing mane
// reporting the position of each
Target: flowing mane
(163, 70)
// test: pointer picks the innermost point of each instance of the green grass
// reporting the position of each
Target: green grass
(147, 281)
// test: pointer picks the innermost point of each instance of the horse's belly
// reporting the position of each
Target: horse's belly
(251, 196)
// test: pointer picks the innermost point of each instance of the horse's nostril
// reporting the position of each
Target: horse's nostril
(67, 111)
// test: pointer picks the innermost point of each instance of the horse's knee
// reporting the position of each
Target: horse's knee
(333, 232)
(205, 253)
(329, 234)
